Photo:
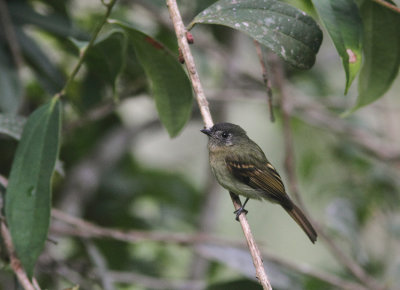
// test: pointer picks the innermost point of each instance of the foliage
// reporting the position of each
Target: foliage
(28, 196)
(45, 107)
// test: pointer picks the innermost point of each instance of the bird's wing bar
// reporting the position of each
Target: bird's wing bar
(263, 178)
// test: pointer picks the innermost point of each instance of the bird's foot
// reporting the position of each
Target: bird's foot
(239, 211)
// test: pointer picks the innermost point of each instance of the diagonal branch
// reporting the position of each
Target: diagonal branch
(180, 31)
(254, 251)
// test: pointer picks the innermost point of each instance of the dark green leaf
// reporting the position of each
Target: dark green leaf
(10, 86)
(343, 22)
(381, 52)
(106, 58)
(28, 198)
(104, 61)
(285, 30)
(169, 83)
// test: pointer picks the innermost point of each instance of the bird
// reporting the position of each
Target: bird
(241, 167)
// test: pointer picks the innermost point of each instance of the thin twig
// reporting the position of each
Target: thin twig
(286, 108)
(100, 264)
(267, 82)
(82, 228)
(35, 283)
(89, 230)
(255, 252)
(388, 5)
(180, 31)
(85, 50)
(290, 168)
(15, 262)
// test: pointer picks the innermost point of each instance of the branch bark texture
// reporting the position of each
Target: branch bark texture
(180, 31)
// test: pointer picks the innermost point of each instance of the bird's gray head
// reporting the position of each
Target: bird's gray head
(225, 134)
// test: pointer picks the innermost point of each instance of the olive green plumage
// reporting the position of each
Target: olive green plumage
(241, 167)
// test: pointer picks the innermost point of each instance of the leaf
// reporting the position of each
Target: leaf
(169, 83)
(285, 30)
(343, 22)
(381, 53)
(106, 59)
(28, 198)
(12, 125)
(10, 85)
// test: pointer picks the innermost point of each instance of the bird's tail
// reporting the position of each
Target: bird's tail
(302, 221)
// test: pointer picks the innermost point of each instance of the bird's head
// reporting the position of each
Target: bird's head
(225, 134)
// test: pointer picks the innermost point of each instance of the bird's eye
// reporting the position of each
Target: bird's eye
(225, 135)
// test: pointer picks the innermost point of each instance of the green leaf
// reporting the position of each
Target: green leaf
(381, 52)
(169, 83)
(285, 30)
(105, 60)
(28, 198)
(343, 22)
(10, 85)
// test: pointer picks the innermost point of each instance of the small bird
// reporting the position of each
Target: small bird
(241, 167)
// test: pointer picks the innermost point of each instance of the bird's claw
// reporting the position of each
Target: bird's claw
(239, 211)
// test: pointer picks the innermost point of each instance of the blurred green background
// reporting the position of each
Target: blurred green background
(122, 170)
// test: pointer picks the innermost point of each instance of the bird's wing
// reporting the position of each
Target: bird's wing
(262, 177)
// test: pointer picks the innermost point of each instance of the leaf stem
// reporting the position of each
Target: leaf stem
(266, 80)
(388, 5)
(85, 50)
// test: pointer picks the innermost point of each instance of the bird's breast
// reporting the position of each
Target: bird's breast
(228, 181)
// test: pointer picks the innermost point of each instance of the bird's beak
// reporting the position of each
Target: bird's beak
(206, 131)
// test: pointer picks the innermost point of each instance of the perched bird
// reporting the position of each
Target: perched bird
(241, 167)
